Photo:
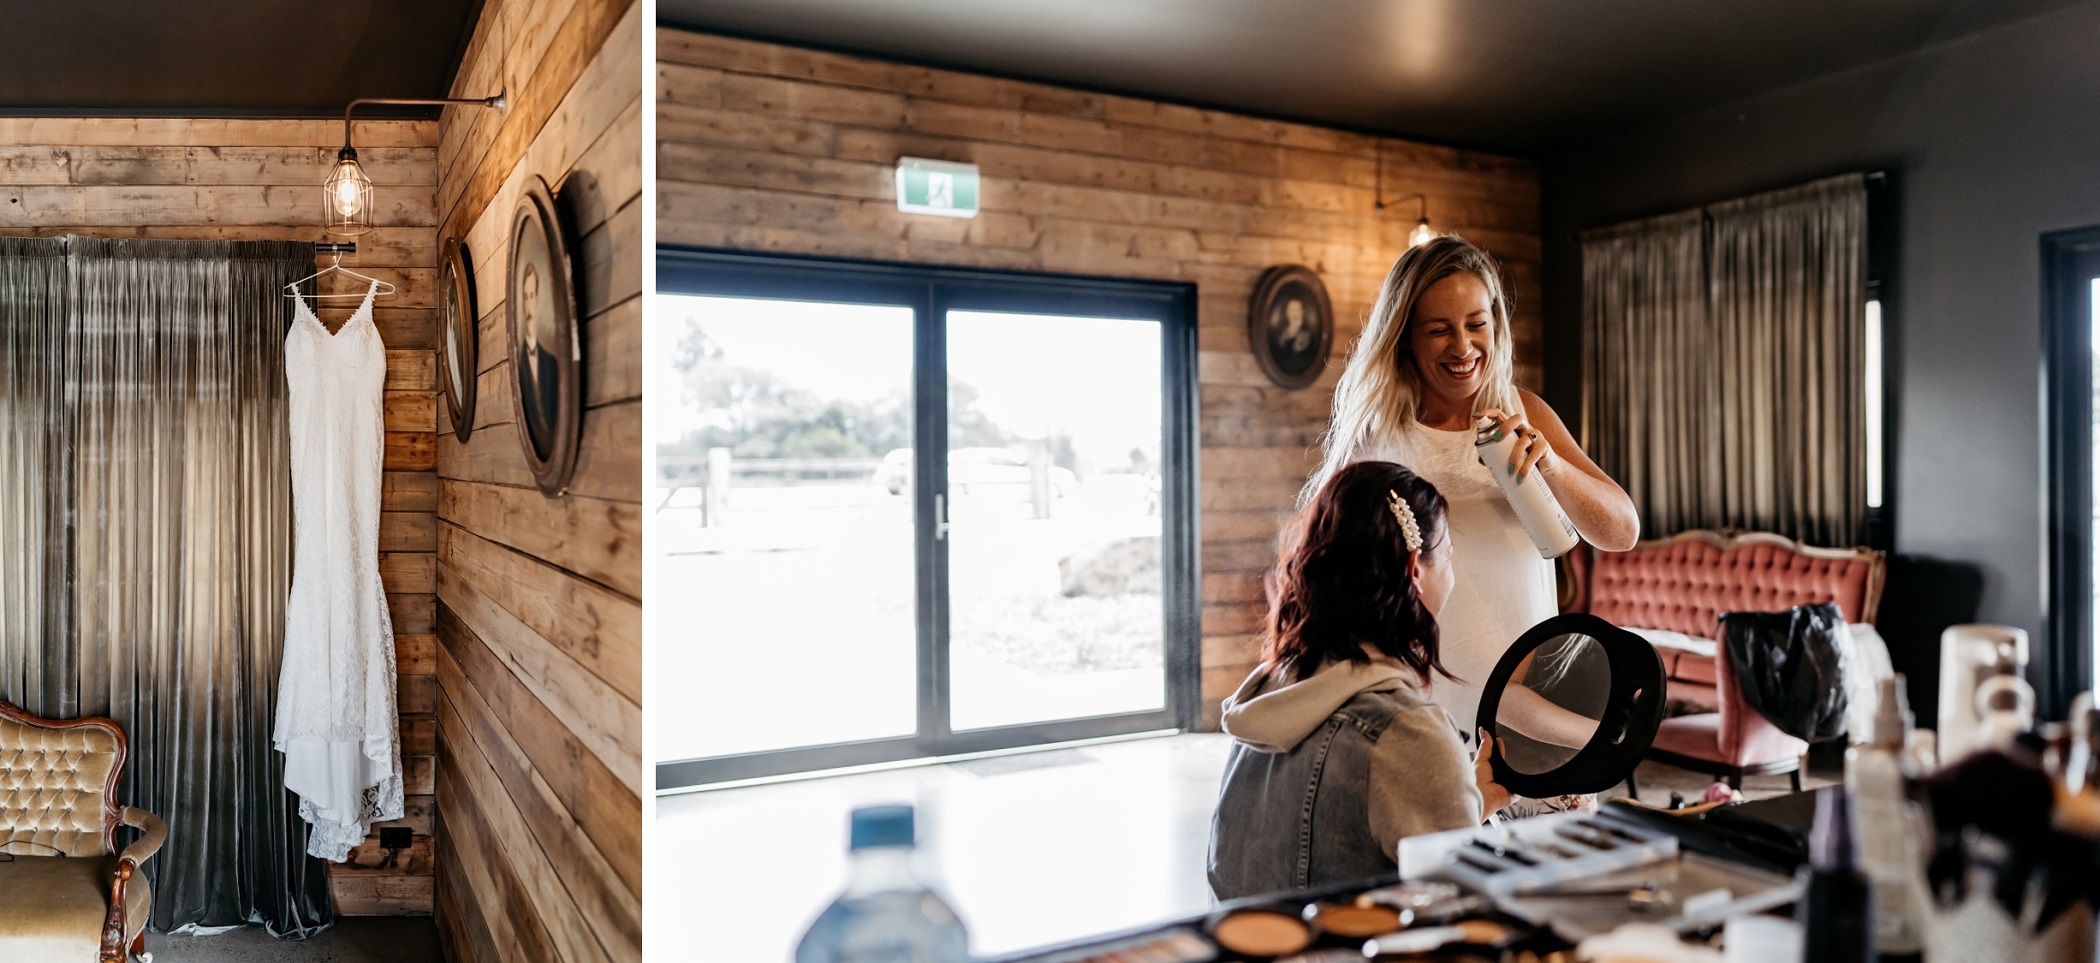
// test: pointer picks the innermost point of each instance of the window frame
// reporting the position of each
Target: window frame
(1881, 269)
(932, 292)
(2070, 259)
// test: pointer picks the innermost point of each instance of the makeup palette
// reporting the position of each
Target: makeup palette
(1332, 924)
(1179, 944)
(1341, 926)
(1537, 853)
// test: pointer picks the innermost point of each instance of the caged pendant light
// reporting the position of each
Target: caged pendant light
(347, 202)
(346, 197)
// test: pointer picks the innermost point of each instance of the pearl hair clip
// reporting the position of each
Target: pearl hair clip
(1406, 517)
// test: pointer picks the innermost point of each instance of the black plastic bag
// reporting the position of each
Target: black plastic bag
(1791, 667)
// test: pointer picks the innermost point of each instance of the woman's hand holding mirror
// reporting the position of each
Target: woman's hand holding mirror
(1493, 797)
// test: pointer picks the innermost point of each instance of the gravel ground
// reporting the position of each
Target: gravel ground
(1062, 636)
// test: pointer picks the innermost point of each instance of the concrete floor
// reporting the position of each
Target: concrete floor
(353, 939)
(1031, 849)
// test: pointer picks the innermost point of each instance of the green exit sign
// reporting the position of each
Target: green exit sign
(936, 187)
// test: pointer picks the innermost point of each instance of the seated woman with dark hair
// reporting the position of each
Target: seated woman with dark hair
(1338, 751)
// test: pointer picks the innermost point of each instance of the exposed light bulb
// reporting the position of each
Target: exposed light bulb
(349, 197)
(346, 197)
(1421, 234)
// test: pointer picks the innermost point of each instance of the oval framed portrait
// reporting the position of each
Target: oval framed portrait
(459, 356)
(546, 351)
(1290, 325)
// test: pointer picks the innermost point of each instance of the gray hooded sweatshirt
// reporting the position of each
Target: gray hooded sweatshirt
(1327, 775)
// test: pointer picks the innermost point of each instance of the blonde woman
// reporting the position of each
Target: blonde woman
(1433, 358)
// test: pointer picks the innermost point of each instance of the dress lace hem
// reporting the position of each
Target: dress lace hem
(332, 838)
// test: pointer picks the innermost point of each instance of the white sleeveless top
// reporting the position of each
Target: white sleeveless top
(1501, 587)
(335, 700)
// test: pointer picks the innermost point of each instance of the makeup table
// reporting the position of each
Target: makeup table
(1752, 840)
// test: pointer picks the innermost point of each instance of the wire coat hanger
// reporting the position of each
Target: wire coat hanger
(335, 266)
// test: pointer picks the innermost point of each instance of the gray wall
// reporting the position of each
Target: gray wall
(1991, 141)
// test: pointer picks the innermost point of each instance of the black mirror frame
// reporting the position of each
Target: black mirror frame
(536, 210)
(1266, 288)
(1623, 735)
(459, 305)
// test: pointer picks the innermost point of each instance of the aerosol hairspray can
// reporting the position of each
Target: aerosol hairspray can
(1536, 507)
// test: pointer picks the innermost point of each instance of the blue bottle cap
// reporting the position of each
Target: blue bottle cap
(883, 826)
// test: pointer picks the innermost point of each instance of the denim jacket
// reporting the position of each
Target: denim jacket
(1326, 775)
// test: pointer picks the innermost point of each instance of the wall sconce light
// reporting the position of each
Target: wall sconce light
(346, 199)
(1422, 232)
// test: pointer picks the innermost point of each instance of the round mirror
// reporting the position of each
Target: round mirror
(1573, 706)
(458, 359)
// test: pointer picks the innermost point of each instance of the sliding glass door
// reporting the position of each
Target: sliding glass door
(904, 513)
(1053, 518)
(770, 529)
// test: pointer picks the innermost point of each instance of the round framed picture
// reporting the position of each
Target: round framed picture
(458, 349)
(546, 351)
(1290, 325)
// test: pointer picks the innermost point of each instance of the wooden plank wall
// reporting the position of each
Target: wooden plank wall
(261, 179)
(769, 148)
(539, 732)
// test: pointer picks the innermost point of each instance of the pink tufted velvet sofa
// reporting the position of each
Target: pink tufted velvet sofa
(66, 893)
(1685, 583)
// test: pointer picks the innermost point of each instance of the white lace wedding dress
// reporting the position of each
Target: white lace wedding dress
(335, 696)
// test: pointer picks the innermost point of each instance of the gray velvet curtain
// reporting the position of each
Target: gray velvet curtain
(32, 511)
(1723, 378)
(1787, 278)
(1650, 412)
(145, 539)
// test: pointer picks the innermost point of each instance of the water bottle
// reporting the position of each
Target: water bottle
(1536, 507)
(886, 914)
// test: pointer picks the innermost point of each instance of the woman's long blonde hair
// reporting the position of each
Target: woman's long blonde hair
(1380, 389)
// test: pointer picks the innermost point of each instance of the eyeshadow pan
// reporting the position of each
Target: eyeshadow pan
(1355, 922)
(1261, 933)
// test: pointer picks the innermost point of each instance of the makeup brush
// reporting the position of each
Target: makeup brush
(1474, 932)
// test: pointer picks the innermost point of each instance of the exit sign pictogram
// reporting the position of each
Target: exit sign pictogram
(936, 187)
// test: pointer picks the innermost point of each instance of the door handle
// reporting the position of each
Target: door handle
(940, 518)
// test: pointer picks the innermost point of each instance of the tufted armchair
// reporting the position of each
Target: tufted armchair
(1684, 584)
(66, 894)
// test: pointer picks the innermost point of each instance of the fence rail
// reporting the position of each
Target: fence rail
(712, 473)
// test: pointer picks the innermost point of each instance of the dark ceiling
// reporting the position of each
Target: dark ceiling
(1515, 75)
(225, 58)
